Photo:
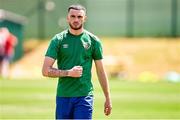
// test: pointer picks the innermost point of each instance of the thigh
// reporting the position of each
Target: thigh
(83, 108)
(63, 108)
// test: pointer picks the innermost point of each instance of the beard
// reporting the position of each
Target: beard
(75, 27)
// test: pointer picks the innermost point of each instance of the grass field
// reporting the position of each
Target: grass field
(35, 99)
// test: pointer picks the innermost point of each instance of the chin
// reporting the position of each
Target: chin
(75, 27)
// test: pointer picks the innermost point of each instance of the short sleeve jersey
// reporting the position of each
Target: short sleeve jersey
(75, 50)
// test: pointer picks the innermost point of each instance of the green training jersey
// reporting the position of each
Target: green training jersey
(75, 50)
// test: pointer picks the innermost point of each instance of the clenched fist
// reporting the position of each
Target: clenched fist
(76, 71)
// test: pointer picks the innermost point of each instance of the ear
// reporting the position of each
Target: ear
(85, 18)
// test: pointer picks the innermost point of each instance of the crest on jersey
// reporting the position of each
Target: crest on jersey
(86, 45)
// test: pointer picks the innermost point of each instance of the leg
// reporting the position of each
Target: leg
(0, 67)
(63, 108)
(83, 108)
(1, 62)
(5, 67)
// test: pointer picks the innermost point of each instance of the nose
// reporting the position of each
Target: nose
(76, 19)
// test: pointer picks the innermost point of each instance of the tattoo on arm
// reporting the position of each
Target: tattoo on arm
(53, 72)
(63, 73)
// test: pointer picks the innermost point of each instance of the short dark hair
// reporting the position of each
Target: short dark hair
(77, 7)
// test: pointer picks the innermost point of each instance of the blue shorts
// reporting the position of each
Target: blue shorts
(74, 107)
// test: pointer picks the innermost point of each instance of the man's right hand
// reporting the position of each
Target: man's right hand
(76, 71)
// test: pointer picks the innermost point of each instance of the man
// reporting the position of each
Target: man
(6, 50)
(74, 50)
(2, 44)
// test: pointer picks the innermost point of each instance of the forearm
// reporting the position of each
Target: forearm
(53, 72)
(49, 71)
(103, 80)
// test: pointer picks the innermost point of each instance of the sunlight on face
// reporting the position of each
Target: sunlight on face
(76, 19)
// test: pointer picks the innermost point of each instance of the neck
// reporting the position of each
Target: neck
(76, 32)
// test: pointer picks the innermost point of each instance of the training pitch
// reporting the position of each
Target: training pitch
(29, 99)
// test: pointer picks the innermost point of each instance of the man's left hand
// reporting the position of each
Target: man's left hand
(107, 107)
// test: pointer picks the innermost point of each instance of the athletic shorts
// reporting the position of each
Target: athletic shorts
(74, 107)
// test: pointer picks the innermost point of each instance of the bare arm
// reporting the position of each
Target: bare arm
(49, 71)
(104, 84)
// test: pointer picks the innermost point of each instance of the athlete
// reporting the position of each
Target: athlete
(75, 49)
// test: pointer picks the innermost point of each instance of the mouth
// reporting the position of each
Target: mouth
(75, 23)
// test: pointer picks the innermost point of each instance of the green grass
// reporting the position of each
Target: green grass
(29, 99)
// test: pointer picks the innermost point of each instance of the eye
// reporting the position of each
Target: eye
(73, 16)
(80, 17)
